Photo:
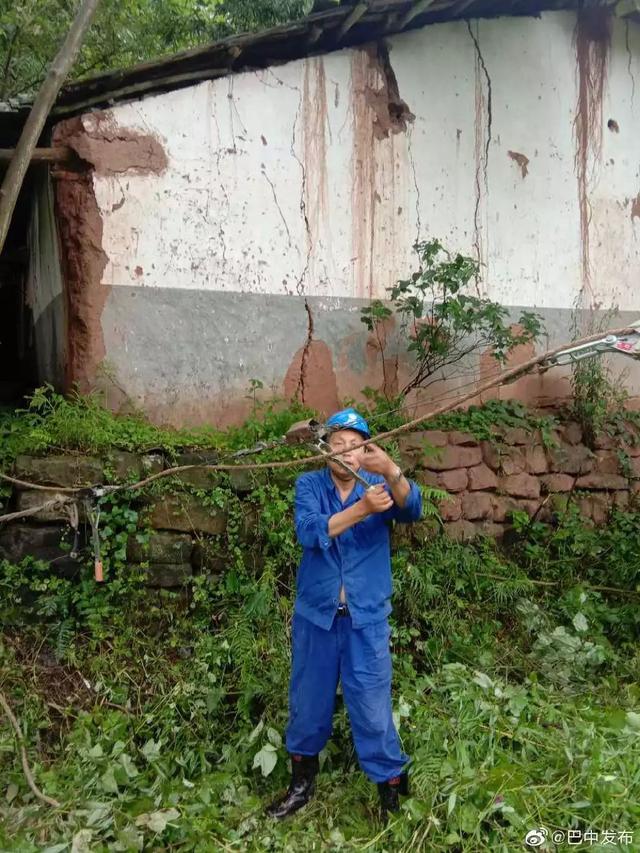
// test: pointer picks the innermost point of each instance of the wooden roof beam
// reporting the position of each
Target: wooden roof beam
(313, 35)
(352, 18)
(417, 9)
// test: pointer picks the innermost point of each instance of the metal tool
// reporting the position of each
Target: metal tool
(625, 344)
(323, 447)
(314, 434)
(92, 512)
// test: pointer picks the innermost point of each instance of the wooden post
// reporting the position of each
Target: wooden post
(62, 154)
(40, 110)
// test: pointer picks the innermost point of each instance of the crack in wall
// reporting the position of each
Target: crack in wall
(303, 205)
(233, 109)
(629, 60)
(305, 354)
(272, 73)
(277, 203)
(222, 185)
(482, 159)
(412, 163)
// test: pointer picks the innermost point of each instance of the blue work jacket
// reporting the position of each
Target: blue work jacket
(359, 557)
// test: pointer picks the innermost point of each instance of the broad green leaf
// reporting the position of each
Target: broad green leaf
(98, 814)
(469, 818)
(129, 767)
(108, 781)
(633, 719)
(129, 839)
(336, 837)
(158, 820)
(254, 734)
(151, 750)
(81, 841)
(580, 623)
(482, 680)
(274, 737)
(266, 759)
(451, 803)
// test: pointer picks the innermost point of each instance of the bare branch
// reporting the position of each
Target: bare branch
(23, 755)
(41, 107)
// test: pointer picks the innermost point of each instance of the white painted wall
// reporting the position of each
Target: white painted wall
(252, 155)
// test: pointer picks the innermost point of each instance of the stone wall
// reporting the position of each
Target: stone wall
(486, 482)
(184, 529)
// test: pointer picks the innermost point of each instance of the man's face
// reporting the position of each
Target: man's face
(346, 439)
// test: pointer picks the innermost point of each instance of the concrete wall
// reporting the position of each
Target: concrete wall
(237, 226)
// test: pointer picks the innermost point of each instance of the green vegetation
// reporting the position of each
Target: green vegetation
(51, 421)
(443, 322)
(156, 718)
(31, 31)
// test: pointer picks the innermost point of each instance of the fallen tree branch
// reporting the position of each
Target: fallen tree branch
(613, 589)
(503, 378)
(35, 122)
(34, 510)
(23, 754)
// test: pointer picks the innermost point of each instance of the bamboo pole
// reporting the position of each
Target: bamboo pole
(45, 98)
(63, 154)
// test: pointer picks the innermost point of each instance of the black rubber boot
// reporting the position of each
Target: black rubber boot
(304, 769)
(389, 792)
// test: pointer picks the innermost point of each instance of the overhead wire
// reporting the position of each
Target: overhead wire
(494, 381)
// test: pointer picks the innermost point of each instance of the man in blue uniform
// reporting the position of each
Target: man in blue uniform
(340, 628)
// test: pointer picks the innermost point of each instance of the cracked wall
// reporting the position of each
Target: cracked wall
(248, 204)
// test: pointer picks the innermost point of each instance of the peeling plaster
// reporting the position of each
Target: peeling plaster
(379, 118)
(114, 150)
(389, 112)
(522, 161)
(83, 262)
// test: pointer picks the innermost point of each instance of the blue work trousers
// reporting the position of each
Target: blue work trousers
(362, 660)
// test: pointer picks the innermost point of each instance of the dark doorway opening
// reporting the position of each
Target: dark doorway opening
(17, 361)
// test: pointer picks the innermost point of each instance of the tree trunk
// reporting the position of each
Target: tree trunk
(37, 117)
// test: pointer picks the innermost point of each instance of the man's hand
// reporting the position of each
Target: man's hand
(376, 500)
(376, 461)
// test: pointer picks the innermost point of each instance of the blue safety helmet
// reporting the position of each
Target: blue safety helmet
(348, 419)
